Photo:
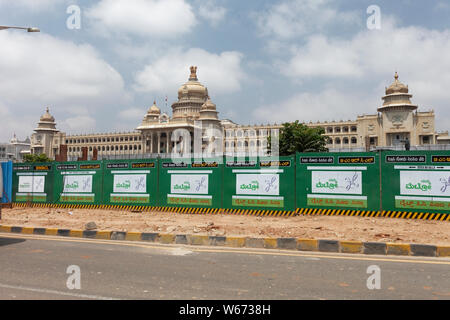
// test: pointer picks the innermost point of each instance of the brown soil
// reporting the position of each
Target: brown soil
(311, 227)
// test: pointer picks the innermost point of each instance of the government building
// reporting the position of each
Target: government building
(397, 120)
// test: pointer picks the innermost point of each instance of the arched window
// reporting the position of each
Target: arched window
(337, 141)
(345, 140)
(354, 140)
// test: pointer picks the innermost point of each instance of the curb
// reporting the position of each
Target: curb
(369, 248)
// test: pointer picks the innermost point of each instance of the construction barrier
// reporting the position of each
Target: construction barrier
(416, 181)
(130, 182)
(33, 183)
(78, 183)
(259, 184)
(6, 182)
(342, 181)
(187, 183)
(384, 183)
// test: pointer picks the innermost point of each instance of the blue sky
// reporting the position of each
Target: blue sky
(262, 61)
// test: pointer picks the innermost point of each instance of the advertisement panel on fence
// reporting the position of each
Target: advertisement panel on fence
(33, 183)
(191, 183)
(416, 181)
(130, 182)
(260, 184)
(338, 181)
(78, 182)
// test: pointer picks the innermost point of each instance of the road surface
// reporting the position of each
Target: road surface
(35, 267)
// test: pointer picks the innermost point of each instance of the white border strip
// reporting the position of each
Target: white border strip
(77, 194)
(189, 171)
(31, 173)
(258, 170)
(78, 173)
(362, 168)
(422, 167)
(329, 196)
(142, 195)
(258, 197)
(131, 172)
(30, 194)
(422, 198)
(188, 196)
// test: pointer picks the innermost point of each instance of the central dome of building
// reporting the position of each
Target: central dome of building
(191, 96)
(192, 89)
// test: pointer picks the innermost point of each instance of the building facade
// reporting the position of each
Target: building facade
(15, 150)
(194, 114)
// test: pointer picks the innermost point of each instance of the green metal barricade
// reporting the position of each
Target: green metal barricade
(130, 182)
(186, 183)
(260, 184)
(33, 183)
(342, 181)
(79, 183)
(416, 181)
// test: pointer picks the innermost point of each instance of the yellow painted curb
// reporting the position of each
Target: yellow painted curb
(198, 240)
(351, 246)
(76, 233)
(103, 235)
(133, 236)
(235, 241)
(307, 245)
(27, 230)
(443, 251)
(5, 229)
(270, 243)
(398, 249)
(166, 238)
(51, 231)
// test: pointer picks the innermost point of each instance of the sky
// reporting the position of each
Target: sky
(99, 65)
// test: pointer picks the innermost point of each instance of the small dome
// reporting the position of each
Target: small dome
(209, 105)
(47, 116)
(154, 109)
(397, 86)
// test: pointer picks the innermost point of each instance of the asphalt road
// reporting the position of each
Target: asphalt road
(34, 267)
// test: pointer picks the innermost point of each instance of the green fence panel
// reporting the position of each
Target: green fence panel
(130, 182)
(342, 181)
(186, 183)
(260, 184)
(79, 183)
(33, 182)
(416, 181)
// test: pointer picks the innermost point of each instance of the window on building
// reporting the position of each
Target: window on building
(372, 140)
(353, 129)
(329, 130)
(337, 141)
(345, 129)
(337, 129)
(354, 140)
(345, 140)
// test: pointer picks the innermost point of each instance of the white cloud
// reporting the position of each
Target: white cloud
(365, 63)
(326, 105)
(161, 18)
(133, 114)
(78, 124)
(211, 12)
(220, 72)
(295, 18)
(38, 70)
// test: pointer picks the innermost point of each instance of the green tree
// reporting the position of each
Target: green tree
(32, 158)
(297, 137)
